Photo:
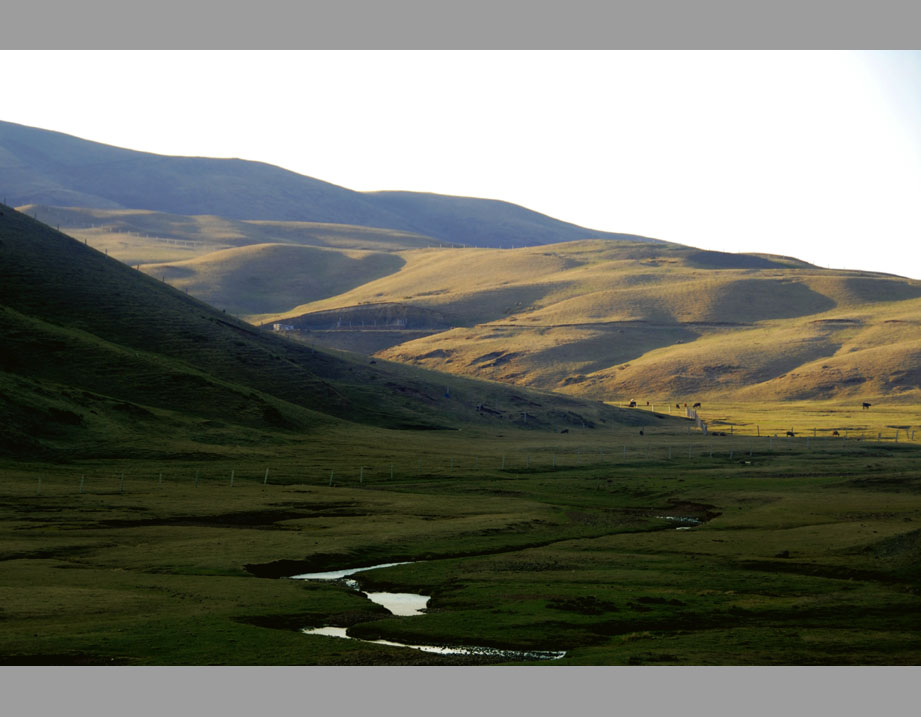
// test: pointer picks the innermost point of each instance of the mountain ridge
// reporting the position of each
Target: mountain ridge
(46, 167)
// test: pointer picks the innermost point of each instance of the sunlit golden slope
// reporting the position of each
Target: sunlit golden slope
(271, 277)
(618, 320)
(137, 236)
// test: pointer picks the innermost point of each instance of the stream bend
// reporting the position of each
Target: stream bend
(406, 605)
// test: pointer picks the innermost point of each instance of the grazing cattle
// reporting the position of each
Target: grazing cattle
(791, 434)
(677, 405)
(632, 404)
(641, 432)
(565, 430)
(835, 433)
(696, 405)
(866, 406)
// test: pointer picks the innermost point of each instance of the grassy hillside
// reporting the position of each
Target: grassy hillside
(263, 278)
(627, 320)
(43, 167)
(484, 222)
(99, 357)
(141, 236)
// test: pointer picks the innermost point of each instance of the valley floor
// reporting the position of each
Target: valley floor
(619, 549)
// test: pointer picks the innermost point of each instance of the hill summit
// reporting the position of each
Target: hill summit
(40, 166)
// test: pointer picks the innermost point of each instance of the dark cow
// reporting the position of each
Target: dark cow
(696, 405)
(632, 404)
(835, 433)
(641, 432)
(866, 406)
(791, 434)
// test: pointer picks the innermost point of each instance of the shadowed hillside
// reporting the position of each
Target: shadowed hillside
(100, 359)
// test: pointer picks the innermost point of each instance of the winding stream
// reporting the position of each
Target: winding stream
(405, 605)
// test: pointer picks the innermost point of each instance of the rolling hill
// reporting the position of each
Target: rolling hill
(619, 320)
(100, 359)
(432, 281)
(40, 166)
(137, 236)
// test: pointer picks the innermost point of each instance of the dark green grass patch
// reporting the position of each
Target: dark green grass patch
(700, 561)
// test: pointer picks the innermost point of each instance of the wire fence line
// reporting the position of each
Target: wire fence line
(331, 472)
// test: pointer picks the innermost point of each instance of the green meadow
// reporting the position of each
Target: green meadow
(619, 548)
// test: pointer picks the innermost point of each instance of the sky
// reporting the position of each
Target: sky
(812, 154)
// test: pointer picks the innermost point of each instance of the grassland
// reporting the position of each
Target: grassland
(806, 552)
(598, 319)
(619, 321)
(165, 466)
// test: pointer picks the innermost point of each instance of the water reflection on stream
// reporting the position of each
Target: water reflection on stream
(402, 604)
(407, 604)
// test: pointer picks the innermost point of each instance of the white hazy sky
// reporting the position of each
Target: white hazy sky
(813, 154)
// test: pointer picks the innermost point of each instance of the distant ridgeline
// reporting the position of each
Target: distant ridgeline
(39, 166)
